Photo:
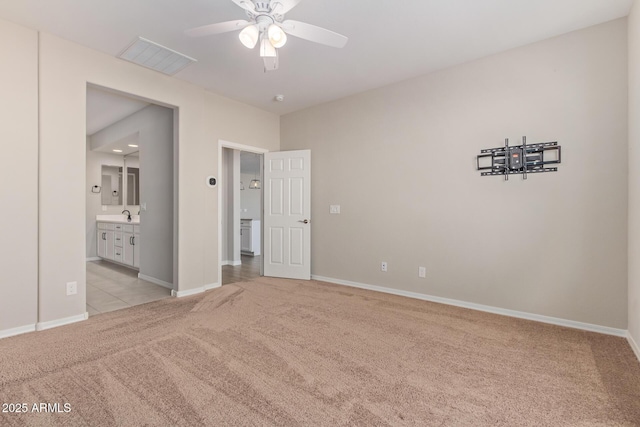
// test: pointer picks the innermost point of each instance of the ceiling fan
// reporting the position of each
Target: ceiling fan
(267, 26)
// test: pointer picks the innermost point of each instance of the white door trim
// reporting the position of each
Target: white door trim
(234, 146)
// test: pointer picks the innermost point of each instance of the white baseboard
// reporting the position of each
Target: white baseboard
(211, 286)
(17, 331)
(194, 291)
(188, 292)
(487, 308)
(156, 281)
(233, 263)
(634, 345)
(41, 326)
(95, 258)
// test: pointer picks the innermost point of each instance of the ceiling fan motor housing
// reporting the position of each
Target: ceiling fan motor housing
(263, 21)
(262, 6)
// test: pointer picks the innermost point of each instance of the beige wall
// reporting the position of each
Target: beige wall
(634, 173)
(65, 70)
(400, 161)
(19, 175)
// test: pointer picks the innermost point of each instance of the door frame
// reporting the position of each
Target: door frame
(176, 174)
(242, 147)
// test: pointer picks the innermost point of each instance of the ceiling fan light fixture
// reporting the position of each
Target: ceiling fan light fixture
(249, 36)
(266, 24)
(267, 50)
(277, 37)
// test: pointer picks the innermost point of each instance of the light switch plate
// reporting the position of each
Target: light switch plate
(104, 208)
(334, 209)
(422, 272)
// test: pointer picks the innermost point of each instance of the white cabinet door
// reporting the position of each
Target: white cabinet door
(102, 244)
(245, 239)
(109, 250)
(287, 214)
(136, 250)
(105, 243)
(127, 248)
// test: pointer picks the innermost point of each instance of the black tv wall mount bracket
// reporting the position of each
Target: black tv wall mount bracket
(519, 159)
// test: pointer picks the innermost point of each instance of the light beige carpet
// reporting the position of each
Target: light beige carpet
(279, 352)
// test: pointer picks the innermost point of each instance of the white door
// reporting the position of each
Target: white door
(287, 214)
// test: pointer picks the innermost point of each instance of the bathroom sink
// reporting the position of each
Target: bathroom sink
(135, 219)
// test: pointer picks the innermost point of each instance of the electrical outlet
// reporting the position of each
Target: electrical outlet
(72, 288)
(422, 272)
(383, 266)
(104, 208)
(334, 209)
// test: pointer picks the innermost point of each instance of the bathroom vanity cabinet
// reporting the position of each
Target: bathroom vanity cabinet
(119, 243)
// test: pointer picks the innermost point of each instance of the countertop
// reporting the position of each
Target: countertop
(119, 219)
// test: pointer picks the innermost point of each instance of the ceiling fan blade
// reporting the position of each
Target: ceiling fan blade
(271, 63)
(283, 6)
(246, 5)
(219, 28)
(314, 34)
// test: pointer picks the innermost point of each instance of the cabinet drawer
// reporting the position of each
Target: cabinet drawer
(127, 228)
(117, 254)
(118, 227)
(105, 226)
(245, 223)
(117, 239)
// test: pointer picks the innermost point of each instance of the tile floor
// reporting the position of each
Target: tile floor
(112, 287)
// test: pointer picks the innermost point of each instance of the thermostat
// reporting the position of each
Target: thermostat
(212, 181)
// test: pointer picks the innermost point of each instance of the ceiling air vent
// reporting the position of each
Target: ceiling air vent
(152, 55)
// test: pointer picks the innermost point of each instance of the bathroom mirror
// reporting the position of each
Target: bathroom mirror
(111, 185)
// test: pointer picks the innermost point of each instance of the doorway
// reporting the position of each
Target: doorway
(132, 192)
(240, 201)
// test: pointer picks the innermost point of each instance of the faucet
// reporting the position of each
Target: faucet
(128, 214)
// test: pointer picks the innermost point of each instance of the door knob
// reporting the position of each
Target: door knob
(306, 221)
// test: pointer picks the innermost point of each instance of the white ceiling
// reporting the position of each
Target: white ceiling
(123, 145)
(389, 41)
(106, 108)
